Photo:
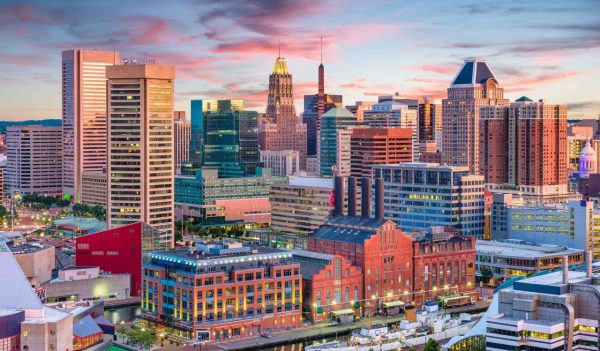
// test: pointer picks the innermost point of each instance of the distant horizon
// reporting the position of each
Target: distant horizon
(226, 49)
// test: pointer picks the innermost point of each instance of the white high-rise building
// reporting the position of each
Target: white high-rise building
(84, 114)
(33, 160)
(140, 154)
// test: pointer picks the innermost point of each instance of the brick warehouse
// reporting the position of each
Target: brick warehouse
(393, 263)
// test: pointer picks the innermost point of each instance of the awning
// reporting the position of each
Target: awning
(393, 304)
(342, 312)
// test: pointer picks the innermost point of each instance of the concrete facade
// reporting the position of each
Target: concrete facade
(34, 156)
(94, 189)
(141, 161)
(84, 117)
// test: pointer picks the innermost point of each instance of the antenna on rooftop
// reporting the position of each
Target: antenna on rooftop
(279, 55)
(321, 49)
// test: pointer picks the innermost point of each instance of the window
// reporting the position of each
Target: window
(337, 268)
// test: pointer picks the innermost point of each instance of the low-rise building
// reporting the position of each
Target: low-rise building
(444, 262)
(218, 291)
(36, 260)
(302, 205)
(498, 261)
(555, 311)
(87, 283)
(575, 224)
(332, 286)
(206, 199)
(119, 251)
(26, 323)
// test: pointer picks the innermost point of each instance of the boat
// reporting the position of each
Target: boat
(380, 337)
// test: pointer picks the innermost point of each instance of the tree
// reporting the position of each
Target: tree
(122, 332)
(486, 274)
(98, 212)
(3, 213)
(81, 210)
(432, 345)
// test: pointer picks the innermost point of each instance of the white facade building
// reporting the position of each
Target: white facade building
(281, 163)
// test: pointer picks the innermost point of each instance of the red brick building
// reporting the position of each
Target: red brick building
(329, 283)
(444, 263)
(378, 247)
(369, 146)
(220, 291)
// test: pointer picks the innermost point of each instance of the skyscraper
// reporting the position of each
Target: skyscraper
(182, 140)
(282, 129)
(229, 137)
(84, 114)
(198, 108)
(314, 107)
(140, 152)
(430, 121)
(33, 160)
(474, 86)
(333, 124)
(523, 147)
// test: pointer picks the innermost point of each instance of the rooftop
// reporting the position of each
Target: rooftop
(313, 182)
(30, 247)
(473, 72)
(280, 66)
(338, 112)
(349, 229)
(522, 250)
(191, 257)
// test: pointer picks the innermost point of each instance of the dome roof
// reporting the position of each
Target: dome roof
(587, 150)
(280, 66)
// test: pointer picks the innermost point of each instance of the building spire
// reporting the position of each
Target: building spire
(321, 49)
(279, 46)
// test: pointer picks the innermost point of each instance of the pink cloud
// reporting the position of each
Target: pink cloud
(548, 58)
(435, 68)
(356, 84)
(526, 83)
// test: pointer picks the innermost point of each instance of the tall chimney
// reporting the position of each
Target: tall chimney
(351, 196)
(339, 196)
(588, 263)
(365, 210)
(565, 269)
(379, 198)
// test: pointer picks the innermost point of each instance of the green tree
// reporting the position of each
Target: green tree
(80, 210)
(3, 213)
(122, 332)
(99, 212)
(432, 345)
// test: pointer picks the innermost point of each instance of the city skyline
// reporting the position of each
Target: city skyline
(225, 49)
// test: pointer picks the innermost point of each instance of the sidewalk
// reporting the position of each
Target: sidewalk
(309, 332)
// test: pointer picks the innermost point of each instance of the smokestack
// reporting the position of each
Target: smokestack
(339, 196)
(565, 274)
(366, 198)
(588, 262)
(351, 196)
(379, 198)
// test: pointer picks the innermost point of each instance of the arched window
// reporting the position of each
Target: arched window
(337, 268)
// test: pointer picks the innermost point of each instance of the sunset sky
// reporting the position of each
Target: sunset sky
(226, 48)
